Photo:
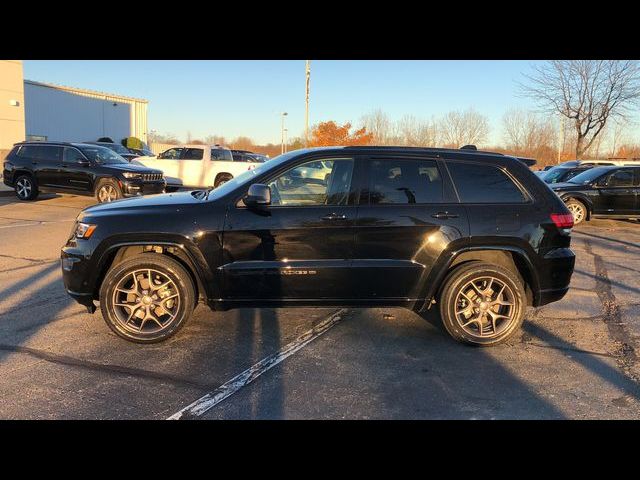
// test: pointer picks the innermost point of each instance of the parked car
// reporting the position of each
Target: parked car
(560, 173)
(475, 233)
(247, 156)
(197, 165)
(606, 162)
(607, 191)
(78, 168)
(121, 150)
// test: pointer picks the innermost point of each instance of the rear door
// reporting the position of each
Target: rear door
(616, 193)
(48, 159)
(407, 217)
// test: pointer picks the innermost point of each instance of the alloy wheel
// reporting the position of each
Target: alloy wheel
(485, 307)
(107, 193)
(24, 188)
(145, 301)
(577, 211)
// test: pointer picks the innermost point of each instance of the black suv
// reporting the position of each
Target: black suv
(79, 168)
(608, 192)
(475, 232)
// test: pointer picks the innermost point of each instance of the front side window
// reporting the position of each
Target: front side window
(620, 178)
(308, 185)
(481, 183)
(171, 154)
(404, 182)
(221, 155)
(102, 155)
(192, 154)
(72, 155)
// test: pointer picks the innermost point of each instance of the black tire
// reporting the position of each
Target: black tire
(458, 280)
(578, 210)
(107, 191)
(222, 178)
(135, 330)
(26, 188)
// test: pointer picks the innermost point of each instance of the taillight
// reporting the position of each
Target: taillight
(562, 220)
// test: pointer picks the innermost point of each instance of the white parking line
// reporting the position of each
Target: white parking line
(227, 389)
(35, 223)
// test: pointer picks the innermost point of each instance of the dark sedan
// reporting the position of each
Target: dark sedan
(121, 150)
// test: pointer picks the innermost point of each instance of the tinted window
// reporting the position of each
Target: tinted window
(171, 154)
(307, 185)
(404, 182)
(192, 154)
(41, 152)
(27, 151)
(620, 178)
(72, 155)
(477, 183)
(221, 155)
(102, 155)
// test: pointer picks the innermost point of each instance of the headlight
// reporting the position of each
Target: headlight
(132, 175)
(84, 230)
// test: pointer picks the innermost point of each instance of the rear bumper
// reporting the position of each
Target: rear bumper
(555, 275)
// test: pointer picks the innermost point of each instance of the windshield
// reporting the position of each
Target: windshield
(102, 155)
(589, 176)
(117, 148)
(553, 175)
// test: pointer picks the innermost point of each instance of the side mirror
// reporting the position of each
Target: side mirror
(258, 195)
(84, 163)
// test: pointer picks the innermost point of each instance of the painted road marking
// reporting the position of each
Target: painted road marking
(227, 389)
(35, 223)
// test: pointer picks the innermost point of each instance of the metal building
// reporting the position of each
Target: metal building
(59, 113)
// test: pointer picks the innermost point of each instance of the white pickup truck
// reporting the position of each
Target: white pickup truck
(197, 165)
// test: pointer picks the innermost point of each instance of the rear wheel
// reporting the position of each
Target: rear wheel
(108, 191)
(147, 298)
(578, 210)
(26, 188)
(482, 304)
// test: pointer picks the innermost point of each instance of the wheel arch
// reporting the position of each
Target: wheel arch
(510, 257)
(584, 199)
(119, 252)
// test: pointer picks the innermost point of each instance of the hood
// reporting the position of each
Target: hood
(149, 203)
(131, 167)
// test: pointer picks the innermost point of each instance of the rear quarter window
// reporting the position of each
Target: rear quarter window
(481, 183)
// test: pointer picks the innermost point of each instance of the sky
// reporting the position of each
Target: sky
(245, 98)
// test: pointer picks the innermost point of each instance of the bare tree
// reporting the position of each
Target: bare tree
(215, 140)
(587, 92)
(378, 123)
(526, 133)
(168, 138)
(416, 133)
(459, 128)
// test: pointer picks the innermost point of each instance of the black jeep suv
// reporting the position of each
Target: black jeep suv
(477, 233)
(79, 168)
(609, 192)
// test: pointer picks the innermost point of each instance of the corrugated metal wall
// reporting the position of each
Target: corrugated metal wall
(65, 114)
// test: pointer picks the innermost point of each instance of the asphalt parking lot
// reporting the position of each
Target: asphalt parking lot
(577, 358)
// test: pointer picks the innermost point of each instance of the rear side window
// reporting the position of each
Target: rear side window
(41, 152)
(478, 183)
(621, 178)
(404, 182)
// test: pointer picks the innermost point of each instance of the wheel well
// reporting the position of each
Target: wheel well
(583, 202)
(510, 260)
(19, 173)
(123, 253)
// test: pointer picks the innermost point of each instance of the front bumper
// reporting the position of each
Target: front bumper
(132, 188)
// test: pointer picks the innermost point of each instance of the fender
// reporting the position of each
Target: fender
(586, 199)
(441, 267)
(201, 269)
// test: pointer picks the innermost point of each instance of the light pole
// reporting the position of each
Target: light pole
(306, 105)
(286, 130)
(282, 115)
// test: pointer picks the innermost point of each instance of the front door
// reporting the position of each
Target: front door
(616, 193)
(300, 246)
(75, 176)
(408, 214)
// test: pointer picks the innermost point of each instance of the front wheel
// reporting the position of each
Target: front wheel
(578, 210)
(108, 191)
(482, 304)
(147, 298)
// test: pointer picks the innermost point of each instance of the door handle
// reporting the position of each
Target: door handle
(334, 216)
(444, 215)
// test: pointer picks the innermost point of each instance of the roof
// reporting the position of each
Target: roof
(84, 91)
